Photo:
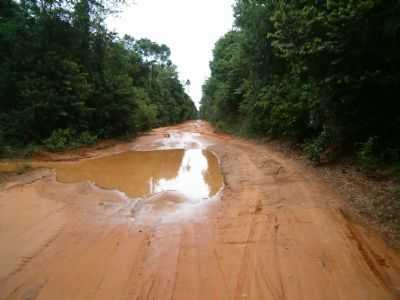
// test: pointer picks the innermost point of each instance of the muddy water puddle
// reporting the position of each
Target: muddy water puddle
(193, 173)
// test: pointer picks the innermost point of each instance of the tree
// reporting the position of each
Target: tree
(63, 74)
(324, 73)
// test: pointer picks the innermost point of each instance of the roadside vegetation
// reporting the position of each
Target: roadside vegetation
(323, 74)
(66, 81)
(325, 77)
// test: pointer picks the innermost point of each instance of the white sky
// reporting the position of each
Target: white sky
(189, 27)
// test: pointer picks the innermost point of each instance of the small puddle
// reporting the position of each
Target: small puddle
(193, 173)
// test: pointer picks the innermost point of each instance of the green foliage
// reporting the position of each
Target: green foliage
(324, 73)
(59, 140)
(62, 68)
(368, 155)
(316, 148)
(62, 139)
(86, 139)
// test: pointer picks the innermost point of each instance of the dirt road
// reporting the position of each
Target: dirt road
(277, 232)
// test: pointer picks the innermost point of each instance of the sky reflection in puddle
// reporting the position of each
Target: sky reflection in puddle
(194, 173)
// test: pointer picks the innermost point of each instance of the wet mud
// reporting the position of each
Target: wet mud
(127, 224)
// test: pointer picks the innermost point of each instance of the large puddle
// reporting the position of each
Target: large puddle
(193, 173)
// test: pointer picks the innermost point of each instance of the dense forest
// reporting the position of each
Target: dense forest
(324, 74)
(65, 80)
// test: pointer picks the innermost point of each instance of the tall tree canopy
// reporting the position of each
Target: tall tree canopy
(324, 73)
(65, 79)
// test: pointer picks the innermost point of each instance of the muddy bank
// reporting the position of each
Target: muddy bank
(276, 231)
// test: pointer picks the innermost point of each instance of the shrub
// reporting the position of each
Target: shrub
(86, 138)
(315, 148)
(59, 140)
(367, 154)
(62, 139)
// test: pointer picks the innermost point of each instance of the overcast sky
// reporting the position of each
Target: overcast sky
(189, 27)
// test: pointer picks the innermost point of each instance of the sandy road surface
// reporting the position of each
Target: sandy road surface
(276, 233)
